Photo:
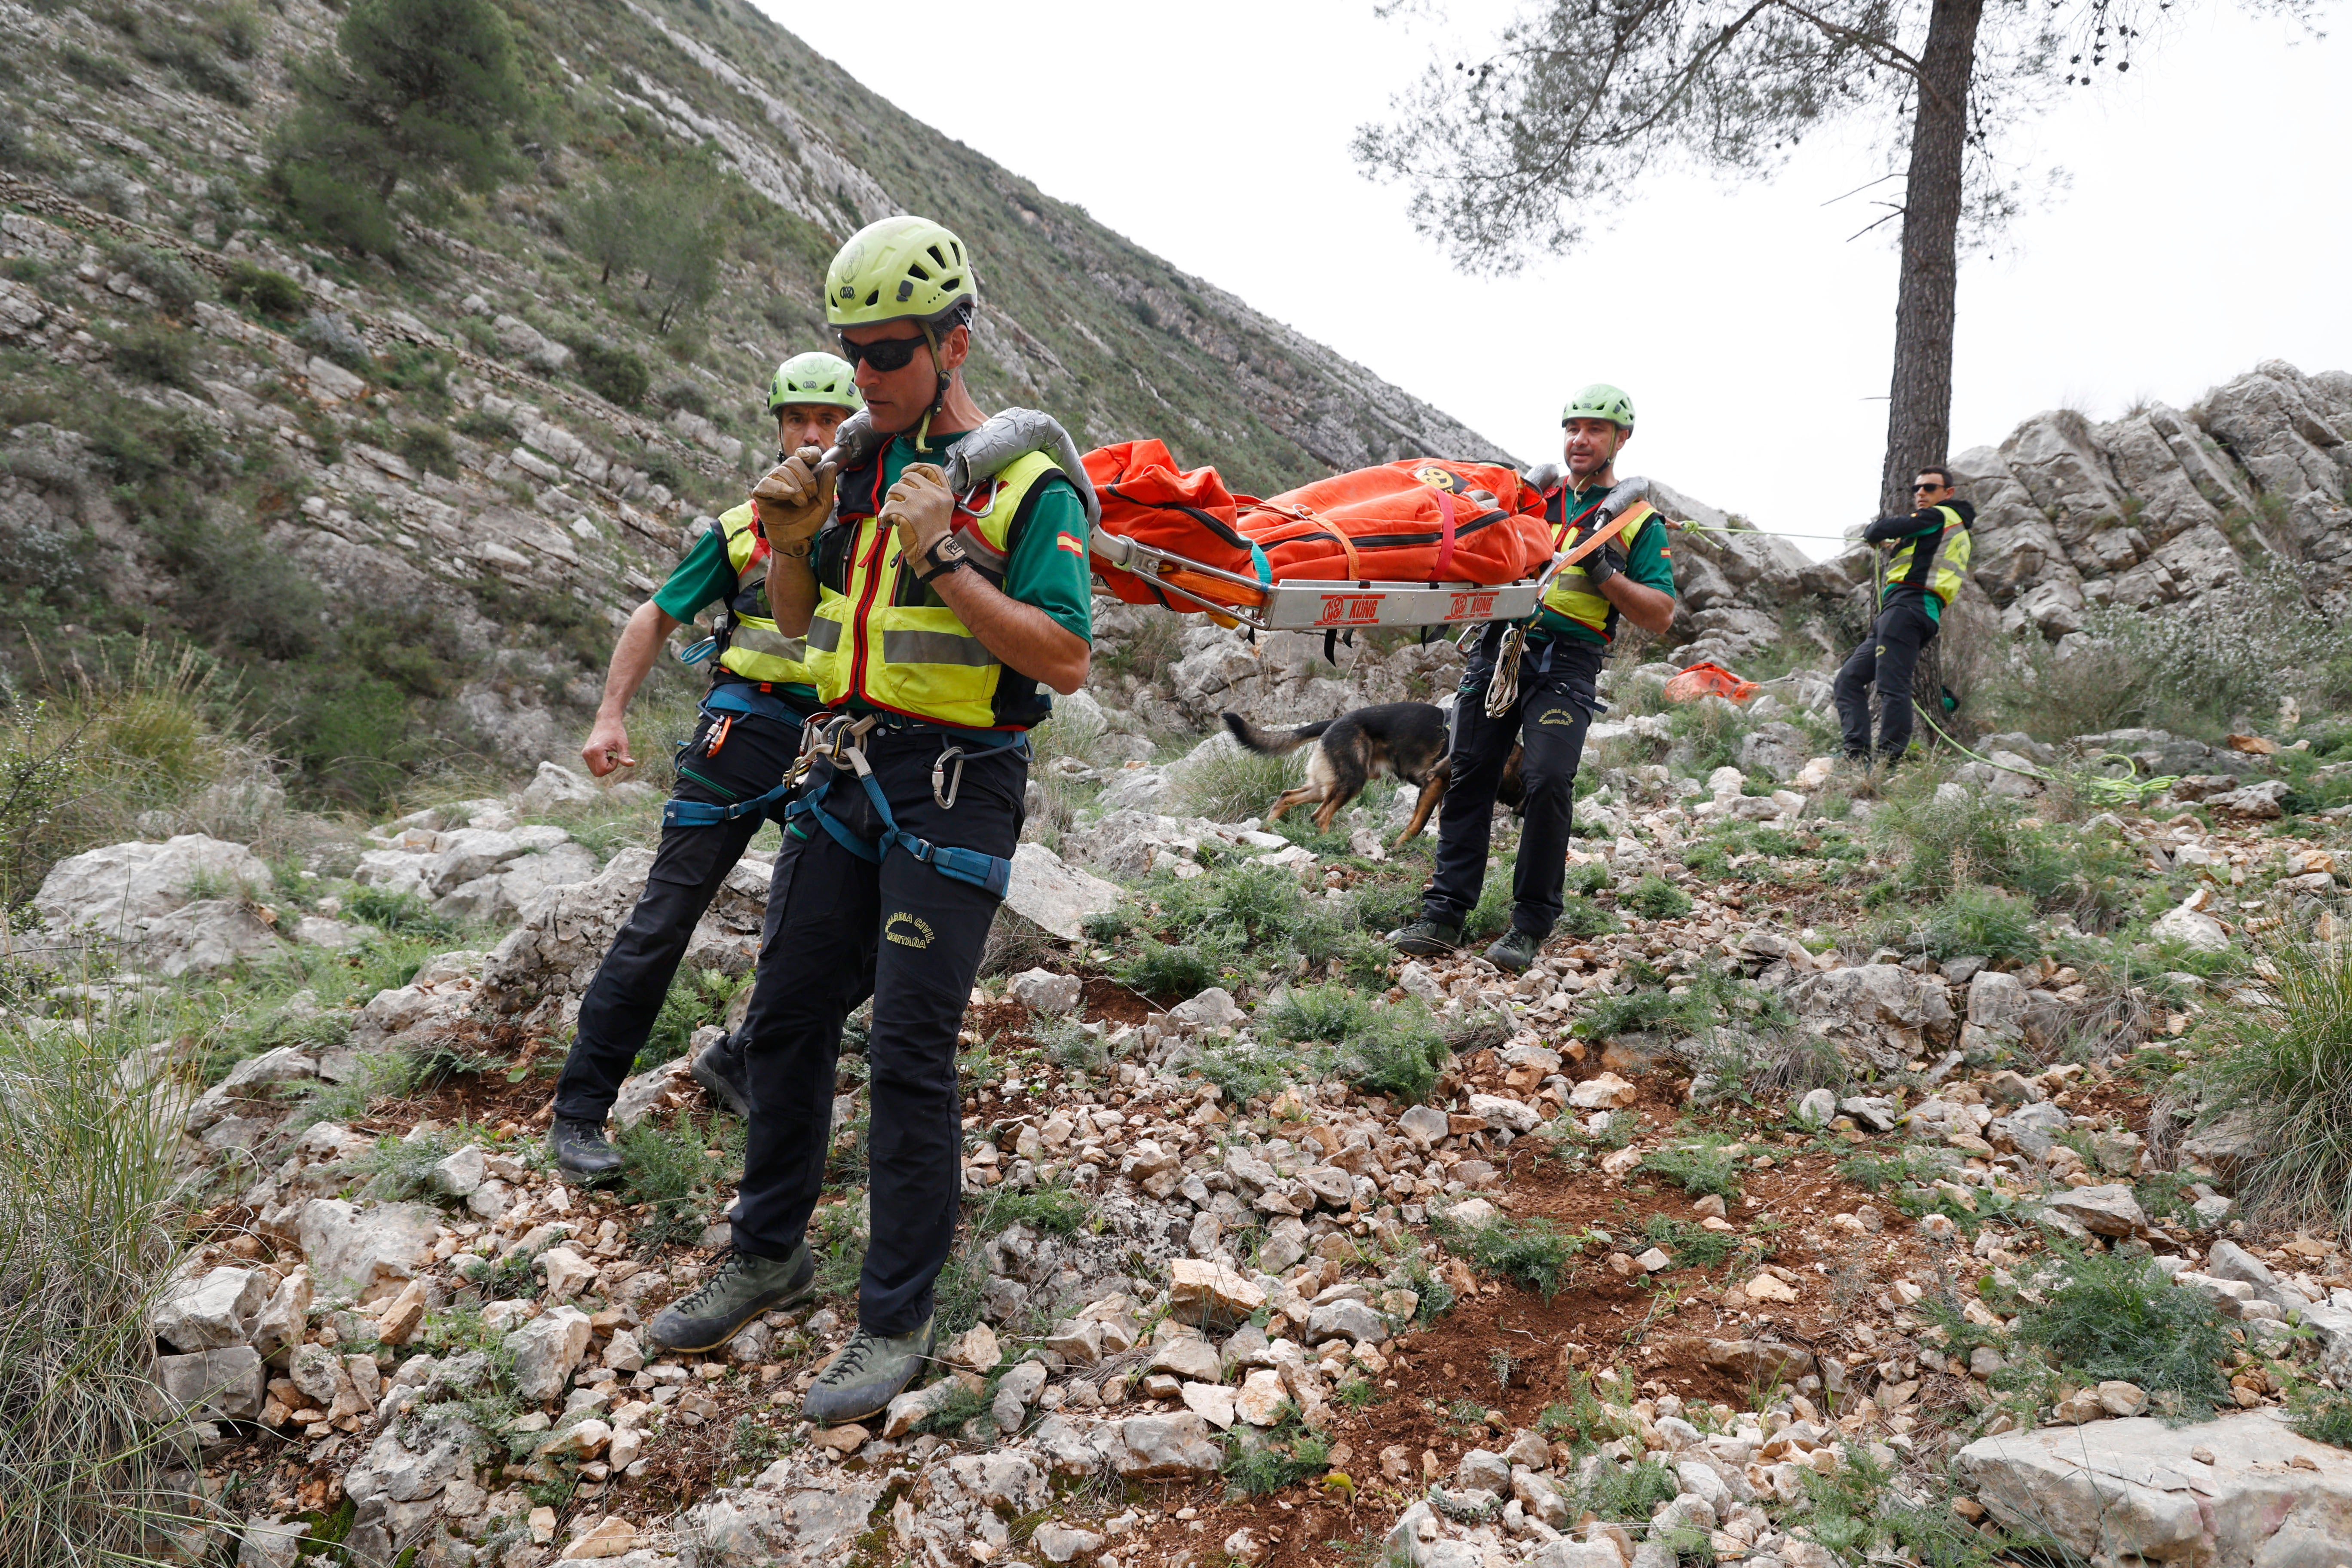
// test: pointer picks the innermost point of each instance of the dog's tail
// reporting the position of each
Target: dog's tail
(1273, 743)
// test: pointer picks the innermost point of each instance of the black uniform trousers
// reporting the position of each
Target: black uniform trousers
(618, 1010)
(1557, 699)
(912, 936)
(1885, 659)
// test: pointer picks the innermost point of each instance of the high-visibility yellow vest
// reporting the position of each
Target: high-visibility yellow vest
(755, 649)
(880, 637)
(1940, 566)
(1572, 593)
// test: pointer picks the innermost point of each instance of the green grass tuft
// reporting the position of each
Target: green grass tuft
(2114, 1317)
(2286, 1067)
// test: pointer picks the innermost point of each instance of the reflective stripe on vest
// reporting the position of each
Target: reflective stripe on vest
(1572, 594)
(918, 659)
(756, 650)
(1946, 563)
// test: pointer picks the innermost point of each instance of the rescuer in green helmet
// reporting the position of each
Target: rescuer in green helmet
(761, 690)
(939, 592)
(1629, 578)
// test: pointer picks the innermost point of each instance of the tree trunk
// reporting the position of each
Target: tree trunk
(1919, 409)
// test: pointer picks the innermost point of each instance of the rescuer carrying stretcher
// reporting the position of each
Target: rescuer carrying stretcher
(1538, 686)
(940, 578)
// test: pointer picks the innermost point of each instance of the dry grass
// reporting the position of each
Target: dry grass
(91, 1467)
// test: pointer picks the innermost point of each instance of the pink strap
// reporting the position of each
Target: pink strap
(1445, 536)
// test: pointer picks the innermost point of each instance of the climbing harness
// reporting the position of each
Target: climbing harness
(1613, 513)
(837, 740)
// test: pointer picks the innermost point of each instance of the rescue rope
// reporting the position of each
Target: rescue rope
(2101, 787)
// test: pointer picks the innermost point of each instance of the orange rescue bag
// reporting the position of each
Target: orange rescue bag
(1422, 519)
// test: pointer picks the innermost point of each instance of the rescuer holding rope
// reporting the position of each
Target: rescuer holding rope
(1927, 560)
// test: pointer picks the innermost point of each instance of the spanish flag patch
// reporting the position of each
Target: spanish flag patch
(1069, 541)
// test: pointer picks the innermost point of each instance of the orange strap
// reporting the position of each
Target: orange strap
(1616, 526)
(1444, 537)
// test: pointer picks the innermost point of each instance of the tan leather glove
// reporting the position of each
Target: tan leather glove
(793, 500)
(922, 508)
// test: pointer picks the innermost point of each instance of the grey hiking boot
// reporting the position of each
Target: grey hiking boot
(1515, 951)
(582, 1151)
(742, 1288)
(719, 1070)
(1427, 938)
(869, 1372)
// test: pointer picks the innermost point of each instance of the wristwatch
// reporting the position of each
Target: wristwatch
(945, 555)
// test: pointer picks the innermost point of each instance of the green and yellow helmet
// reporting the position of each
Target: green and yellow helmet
(901, 270)
(1601, 401)
(814, 377)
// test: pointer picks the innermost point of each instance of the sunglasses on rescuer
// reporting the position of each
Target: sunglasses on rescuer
(889, 355)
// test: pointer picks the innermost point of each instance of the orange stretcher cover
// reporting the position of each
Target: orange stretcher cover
(1423, 520)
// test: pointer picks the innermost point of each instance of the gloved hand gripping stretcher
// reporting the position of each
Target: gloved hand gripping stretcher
(1420, 543)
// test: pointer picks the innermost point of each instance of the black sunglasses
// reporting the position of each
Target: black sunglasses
(889, 355)
(1917, 489)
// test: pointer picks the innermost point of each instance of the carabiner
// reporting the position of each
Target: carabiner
(946, 796)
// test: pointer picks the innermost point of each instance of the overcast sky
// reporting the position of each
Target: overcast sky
(2205, 227)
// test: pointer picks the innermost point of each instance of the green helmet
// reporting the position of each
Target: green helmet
(901, 268)
(1601, 401)
(814, 377)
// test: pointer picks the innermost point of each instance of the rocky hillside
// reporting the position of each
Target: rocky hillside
(409, 500)
(1855, 1169)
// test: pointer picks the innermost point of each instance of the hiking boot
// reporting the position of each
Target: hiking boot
(582, 1151)
(1515, 951)
(719, 1070)
(743, 1287)
(869, 1372)
(1427, 938)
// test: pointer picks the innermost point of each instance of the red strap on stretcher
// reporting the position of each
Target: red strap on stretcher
(1445, 539)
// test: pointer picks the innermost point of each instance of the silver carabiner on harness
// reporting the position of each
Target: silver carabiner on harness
(943, 788)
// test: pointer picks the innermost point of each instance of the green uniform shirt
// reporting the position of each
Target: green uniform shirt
(1647, 563)
(703, 579)
(1048, 565)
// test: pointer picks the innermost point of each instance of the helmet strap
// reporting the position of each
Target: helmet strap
(939, 398)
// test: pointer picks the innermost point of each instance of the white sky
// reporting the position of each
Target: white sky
(2206, 228)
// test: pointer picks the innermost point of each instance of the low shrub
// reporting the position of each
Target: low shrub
(614, 374)
(261, 290)
(2114, 1317)
(1980, 921)
(1700, 1166)
(330, 335)
(1654, 898)
(1229, 784)
(161, 355)
(429, 449)
(1536, 1253)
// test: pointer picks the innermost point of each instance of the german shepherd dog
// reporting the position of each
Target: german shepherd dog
(1409, 740)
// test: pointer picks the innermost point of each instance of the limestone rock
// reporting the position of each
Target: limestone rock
(1164, 1447)
(545, 1350)
(223, 1385)
(1209, 1295)
(1043, 990)
(215, 1310)
(203, 938)
(2135, 1488)
(113, 888)
(1055, 896)
(349, 1250)
(2110, 1210)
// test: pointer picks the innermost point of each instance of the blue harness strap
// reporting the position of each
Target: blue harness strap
(710, 814)
(744, 697)
(971, 866)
